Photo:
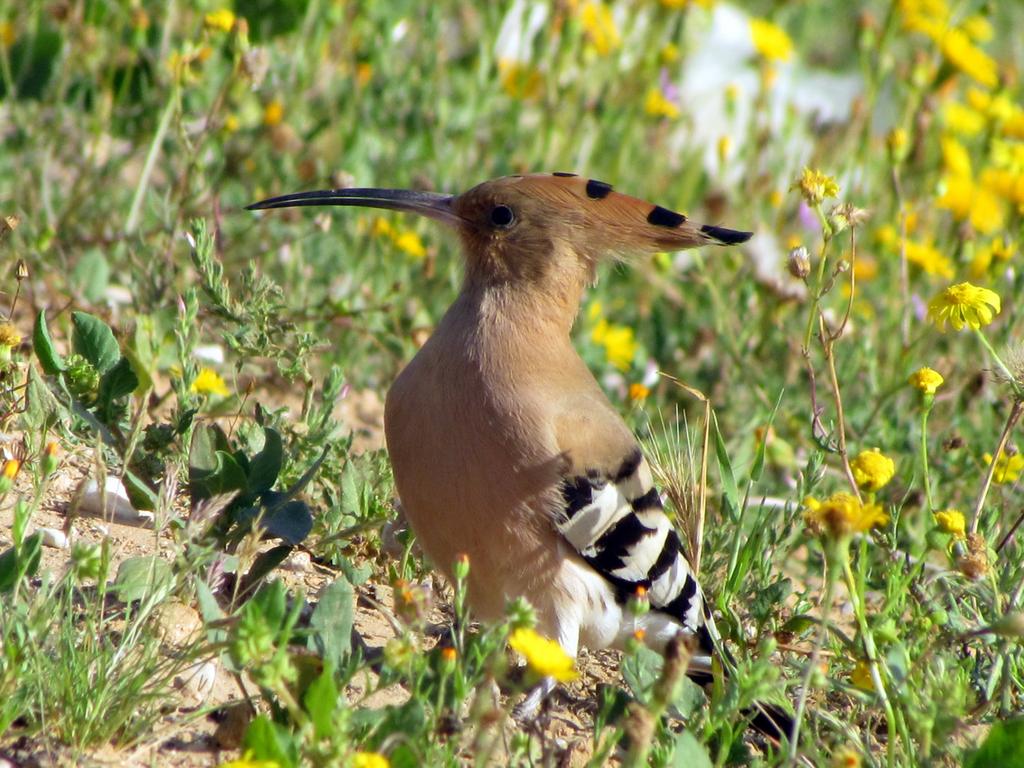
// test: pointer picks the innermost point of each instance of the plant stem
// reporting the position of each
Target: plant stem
(924, 455)
(1011, 420)
(872, 657)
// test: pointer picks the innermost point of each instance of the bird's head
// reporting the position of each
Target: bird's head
(538, 227)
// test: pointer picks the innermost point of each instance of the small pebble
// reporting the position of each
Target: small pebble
(53, 537)
(119, 508)
(298, 562)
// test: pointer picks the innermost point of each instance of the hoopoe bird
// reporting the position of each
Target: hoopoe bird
(503, 445)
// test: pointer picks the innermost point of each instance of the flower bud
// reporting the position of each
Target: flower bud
(799, 263)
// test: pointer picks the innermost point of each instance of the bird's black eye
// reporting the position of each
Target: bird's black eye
(502, 216)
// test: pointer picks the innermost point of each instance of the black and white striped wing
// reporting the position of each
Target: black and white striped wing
(617, 524)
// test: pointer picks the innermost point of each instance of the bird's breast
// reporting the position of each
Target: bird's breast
(474, 467)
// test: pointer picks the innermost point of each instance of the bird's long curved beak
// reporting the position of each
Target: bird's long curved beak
(431, 204)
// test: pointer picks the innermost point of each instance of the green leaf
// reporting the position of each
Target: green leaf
(321, 702)
(266, 465)
(331, 623)
(18, 563)
(687, 752)
(42, 409)
(729, 487)
(46, 353)
(1002, 747)
(139, 494)
(139, 578)
(91, 275)
(270, 741)
(290, 521)
(93, 340)
(758, 468)
(262, 566)
(120, 381)
(640, 670)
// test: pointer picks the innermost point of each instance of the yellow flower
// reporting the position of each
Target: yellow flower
(657, 105)
(409, 243)
(815, 186)
(9, 335)
(369, 760)
(638, 391)
(545, 657)
(978, 28)
(872, 469)
(929, 258)
(618, 342)
(518, 79)
(846, 757)
(11, 467)
(955, 157)
(842, 514)
(248, 761)
(684, 3)
(951, 521)
(273, 113)
(977, 203)
(926, 380)
(7, 35)
(381, 227)
(959, 51)
(961, 119)
(861, 676)
(999, 251)
(1008, 468)
(669, 54)
(231, 123)
(771, 40)
(209, 382)
(599, 26)
(222, 19)
(964, 304)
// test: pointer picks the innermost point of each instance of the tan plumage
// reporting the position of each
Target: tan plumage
(503, 445)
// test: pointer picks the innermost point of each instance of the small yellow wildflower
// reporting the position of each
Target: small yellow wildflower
(273, 113)
(449, 654)
(955, 157)
(248, 761)
(222, 19)
(962, 119)
(846, 757)
(657, 105)
(951, 521)
(771, 40)
(926, 380)
(842, 514)
(518, 79)
(978, 28)
(364, 73)
(9, 335)
(381, 227)
(231, 123)
(815, 186)
(684, 3)
(997, 251)
(638, 391)
(964, 304)
(369, 760)
(599, 26)
(11, 467)
(872, 469)
(669, 54)
(618, 342)
(544, 656)
(929, 258)
(970, 201)
(409, 243)
(968, 58)
(724, 144)
(1008, 467)
(209, 382)
(861, 676)
(7, 35)
(896, 142)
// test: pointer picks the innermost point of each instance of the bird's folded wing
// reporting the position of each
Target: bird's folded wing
(614, 518)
